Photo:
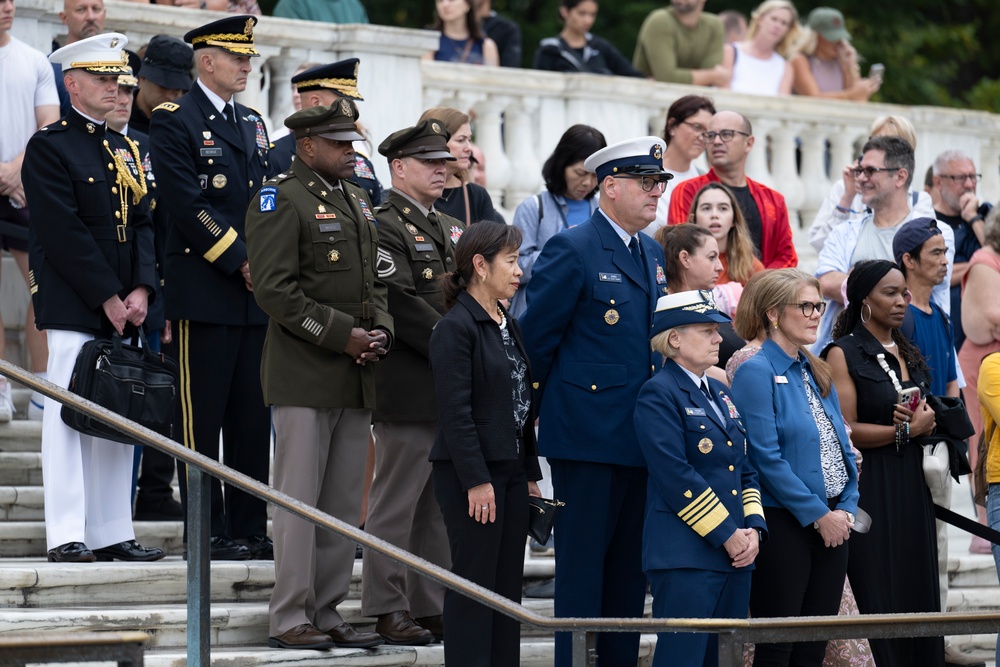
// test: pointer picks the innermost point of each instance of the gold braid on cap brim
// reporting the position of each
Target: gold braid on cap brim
(127, 80)
(231, 41)
(103, 66)
(348, 87)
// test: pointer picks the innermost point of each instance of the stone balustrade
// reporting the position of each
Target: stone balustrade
(800, 142)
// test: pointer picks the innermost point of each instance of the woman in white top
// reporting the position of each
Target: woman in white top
(759, 62)
(687, 120)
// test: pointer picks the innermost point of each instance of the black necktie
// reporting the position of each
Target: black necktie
(633, 247)
(704, 390)
(231, 117)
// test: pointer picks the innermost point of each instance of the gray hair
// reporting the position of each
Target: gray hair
(942, 160)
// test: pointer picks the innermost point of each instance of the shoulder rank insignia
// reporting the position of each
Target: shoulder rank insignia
(167, 106)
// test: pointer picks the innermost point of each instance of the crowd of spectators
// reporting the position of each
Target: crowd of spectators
(715, 233)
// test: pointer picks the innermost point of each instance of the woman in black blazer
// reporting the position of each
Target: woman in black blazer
(485, 458)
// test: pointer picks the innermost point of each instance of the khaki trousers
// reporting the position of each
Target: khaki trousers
(403, 511)
(319, 458)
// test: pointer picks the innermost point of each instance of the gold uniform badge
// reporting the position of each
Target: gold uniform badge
(427, 274)
(333, 256)
(611, 317)
(219, 181)
(705, 445)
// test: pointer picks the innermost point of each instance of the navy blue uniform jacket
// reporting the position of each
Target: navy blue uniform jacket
(701, 485)
(207, 173)
(81, 251)
(586, 331)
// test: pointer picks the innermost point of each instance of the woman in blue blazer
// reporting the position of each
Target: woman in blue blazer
(704, 520)
(800, 449)
(485, 458)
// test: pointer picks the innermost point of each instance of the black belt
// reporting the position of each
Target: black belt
(120, 233)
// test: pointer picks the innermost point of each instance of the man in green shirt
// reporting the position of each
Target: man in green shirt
(328, 11)
(682, 44)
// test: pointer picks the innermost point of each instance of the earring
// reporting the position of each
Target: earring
(863, 306)
(774, 324)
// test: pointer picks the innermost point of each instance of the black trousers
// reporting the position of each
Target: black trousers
(491, 555)
(220, 392)
(795, 575)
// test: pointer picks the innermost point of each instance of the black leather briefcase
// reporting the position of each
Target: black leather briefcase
(126, 379)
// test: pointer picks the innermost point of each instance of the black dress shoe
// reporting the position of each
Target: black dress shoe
(71, 552)
(167, 509)
(223, 548)
(261, 547)
(129, 551)
(434, 624)
(345, 636)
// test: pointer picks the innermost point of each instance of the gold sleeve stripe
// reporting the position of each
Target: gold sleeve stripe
(752, 503)
(697, 504)
(221, 246)
(704, 514)
(212, 227)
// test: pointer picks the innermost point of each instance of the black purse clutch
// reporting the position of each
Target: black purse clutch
(541, 515)
(126, 379)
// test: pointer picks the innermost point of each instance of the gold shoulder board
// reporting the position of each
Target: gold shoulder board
(167, 106)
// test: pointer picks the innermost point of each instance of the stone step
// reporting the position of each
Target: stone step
(22, 503)
(21, 435)
(34, 583)
(27, 538)
(20, 468)
(232, 624)
(535, 652)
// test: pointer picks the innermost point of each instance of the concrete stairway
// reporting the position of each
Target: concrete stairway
(36, 595)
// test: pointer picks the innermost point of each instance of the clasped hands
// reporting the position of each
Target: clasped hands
(365, 346)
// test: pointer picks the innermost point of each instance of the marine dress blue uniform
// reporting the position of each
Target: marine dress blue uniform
(701, 490)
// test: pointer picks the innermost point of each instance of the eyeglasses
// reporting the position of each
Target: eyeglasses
(808, 308)
(961, 178)
(871, 171)
(648, 183)
(697, 127)
(725, 135)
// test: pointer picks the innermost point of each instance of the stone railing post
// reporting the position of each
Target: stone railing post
(525, 169)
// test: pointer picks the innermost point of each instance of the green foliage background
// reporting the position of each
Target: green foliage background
(936, 52)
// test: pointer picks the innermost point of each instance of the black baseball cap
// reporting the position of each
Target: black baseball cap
(913, 235)
(167, 63)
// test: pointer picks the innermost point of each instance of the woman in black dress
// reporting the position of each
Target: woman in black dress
(485, 458)
(893, 568)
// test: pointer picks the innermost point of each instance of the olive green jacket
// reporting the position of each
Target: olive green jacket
(312, 255)
(413, 254)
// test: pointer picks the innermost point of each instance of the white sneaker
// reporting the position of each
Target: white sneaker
(6, 403)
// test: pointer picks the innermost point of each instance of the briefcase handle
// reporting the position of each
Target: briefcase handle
(138, 337)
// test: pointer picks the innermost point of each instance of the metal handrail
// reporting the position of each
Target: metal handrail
(732, 632)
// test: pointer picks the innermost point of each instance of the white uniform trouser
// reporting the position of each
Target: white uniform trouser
(87, 480)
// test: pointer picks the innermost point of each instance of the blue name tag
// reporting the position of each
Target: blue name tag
(330, 227)
(423, 247)
(694, 412)
(610, 277)
(210, 152)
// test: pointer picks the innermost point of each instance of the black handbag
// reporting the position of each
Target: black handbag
(541, 515)
(127, 379)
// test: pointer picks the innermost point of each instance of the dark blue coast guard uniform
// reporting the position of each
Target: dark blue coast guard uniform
(701, 490)
(586, 333)
(207, 172)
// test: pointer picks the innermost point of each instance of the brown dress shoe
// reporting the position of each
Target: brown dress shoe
(345, 636)
(434, 624)
(302, 636)
(400, 629)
